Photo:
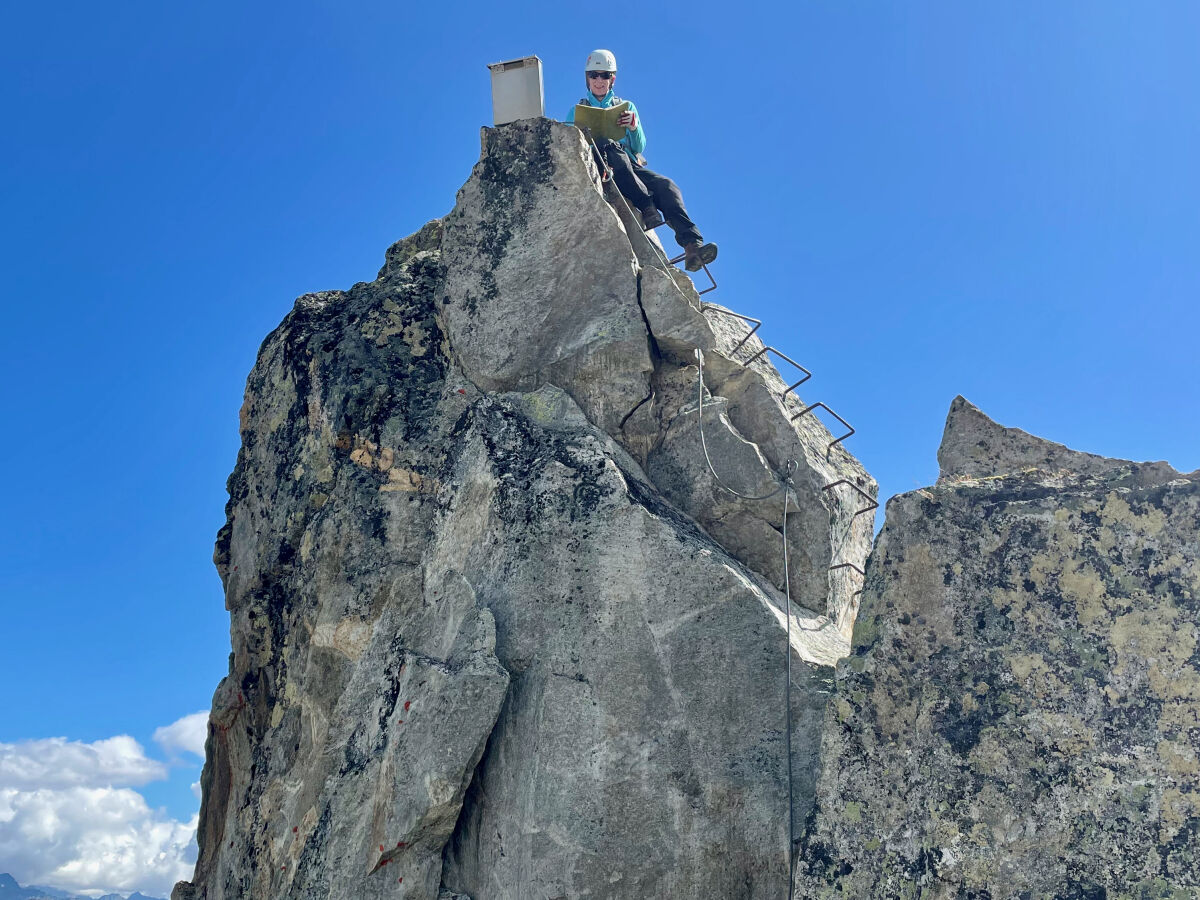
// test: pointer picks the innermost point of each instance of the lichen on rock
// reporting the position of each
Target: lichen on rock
(1020, 714)
(488, 638)
(499, 630)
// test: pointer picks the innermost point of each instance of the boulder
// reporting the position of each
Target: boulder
(1020, 715)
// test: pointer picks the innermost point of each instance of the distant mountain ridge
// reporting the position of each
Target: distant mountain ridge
(11, 890)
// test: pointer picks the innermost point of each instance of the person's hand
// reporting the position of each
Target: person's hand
(627, 120)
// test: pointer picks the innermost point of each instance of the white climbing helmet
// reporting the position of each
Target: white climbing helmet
(601, 61)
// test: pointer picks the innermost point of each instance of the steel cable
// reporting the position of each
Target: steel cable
(704, 446)
(787, 584)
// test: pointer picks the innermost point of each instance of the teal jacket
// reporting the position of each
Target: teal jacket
(634, 141)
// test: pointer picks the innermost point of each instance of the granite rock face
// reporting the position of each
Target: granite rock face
(973, 446)
(1020, 715)
(546, 285)
(532, 296)
(494, 634)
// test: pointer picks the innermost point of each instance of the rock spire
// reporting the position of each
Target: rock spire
(497, 632)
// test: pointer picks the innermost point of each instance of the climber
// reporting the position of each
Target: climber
(647, 190)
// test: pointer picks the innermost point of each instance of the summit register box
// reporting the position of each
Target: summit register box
(517, 90)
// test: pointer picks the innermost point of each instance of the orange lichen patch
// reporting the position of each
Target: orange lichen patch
(364, 453)
(371, 456)
(244, 413)
(405, 480)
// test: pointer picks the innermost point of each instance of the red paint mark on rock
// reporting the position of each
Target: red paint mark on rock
(461, 391)
(294, 829)
(401, 844)
(381, 848)
(407, 704)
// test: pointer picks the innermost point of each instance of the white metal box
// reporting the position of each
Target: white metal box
(517, 90)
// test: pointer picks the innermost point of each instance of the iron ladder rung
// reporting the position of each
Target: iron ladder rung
(871, 500)
(855, 568)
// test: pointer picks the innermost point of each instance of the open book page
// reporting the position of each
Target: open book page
(601, 122)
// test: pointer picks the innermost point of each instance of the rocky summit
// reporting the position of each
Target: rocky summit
(1020, 716)
(508, 555)
(498, 630)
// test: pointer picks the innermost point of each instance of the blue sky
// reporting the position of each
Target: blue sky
(921, 200)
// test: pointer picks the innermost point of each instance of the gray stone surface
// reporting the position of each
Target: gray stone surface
(646, 699)
(754, 427)
(487, 639)
(548, 283)
(973, 446)
(541, 286)
(1020, 716)
(498, 633)
(362, 687)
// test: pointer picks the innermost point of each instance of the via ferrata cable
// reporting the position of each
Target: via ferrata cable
(784, 485)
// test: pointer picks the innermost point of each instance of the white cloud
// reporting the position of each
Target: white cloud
(59, 763)
(186, 734)
(93, 839)
(69, 818)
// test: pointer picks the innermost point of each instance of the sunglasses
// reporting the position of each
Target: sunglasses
(605, 75)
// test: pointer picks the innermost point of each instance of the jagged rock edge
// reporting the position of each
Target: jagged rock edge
(639, 489)
(409, 246)
(648, 256)
(641, 492)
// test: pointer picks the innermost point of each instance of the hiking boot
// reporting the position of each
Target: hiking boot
(696, 256)
(651, 218)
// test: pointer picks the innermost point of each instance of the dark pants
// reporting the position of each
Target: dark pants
(644, 188)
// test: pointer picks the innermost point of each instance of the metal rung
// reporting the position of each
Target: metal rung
(856, 569)
(704, 307)
(711, 287)
(809, 409)
(785, 358)
(874, 503)
(849, 565)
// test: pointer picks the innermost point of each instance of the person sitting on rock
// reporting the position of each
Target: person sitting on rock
(646, 190)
